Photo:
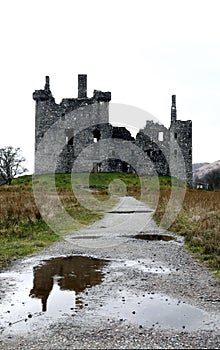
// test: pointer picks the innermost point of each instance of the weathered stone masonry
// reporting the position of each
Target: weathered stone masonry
(76, 135)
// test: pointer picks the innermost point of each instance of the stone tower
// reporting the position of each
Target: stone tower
(180, 145)
(63, 130)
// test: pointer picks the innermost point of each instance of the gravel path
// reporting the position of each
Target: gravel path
(153, 293)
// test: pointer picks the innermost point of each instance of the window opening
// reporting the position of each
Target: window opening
(96, 135)
(160, 136)
(69, 137)
(95, 168)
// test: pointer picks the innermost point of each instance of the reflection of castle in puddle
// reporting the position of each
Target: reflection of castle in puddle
(73, 273)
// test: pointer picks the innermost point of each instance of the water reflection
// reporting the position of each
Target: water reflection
(73, 273)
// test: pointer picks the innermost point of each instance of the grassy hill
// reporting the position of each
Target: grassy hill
(24, 231)
(202, 169)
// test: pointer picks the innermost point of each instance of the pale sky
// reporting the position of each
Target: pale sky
(143, 51)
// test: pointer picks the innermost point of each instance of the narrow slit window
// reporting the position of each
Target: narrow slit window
(70, 142)
(175, 135)
(96, 135)
(69, 137)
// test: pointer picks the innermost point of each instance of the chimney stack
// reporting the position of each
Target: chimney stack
(47, 83)
(173, 109)
(82, 86)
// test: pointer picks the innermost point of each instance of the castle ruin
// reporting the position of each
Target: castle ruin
(76, 135)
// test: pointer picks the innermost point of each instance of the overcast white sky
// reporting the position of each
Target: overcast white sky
(143, 51)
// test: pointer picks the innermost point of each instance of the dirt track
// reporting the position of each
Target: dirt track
(148, 293)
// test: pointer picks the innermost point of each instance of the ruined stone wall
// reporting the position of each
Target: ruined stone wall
(107, 156)
(75, 135)
(82, 140)
(154, 140)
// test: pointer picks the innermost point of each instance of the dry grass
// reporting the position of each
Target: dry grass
(23, 230)
(17, 207)
(199, 222)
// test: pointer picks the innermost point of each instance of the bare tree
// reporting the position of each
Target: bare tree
(213, 178)
(11, 163)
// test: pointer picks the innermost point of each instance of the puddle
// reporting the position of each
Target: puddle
(129, 211)
(51, 290)
(154, 237)
(85, 237)
(157, 310)
(142, 265)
